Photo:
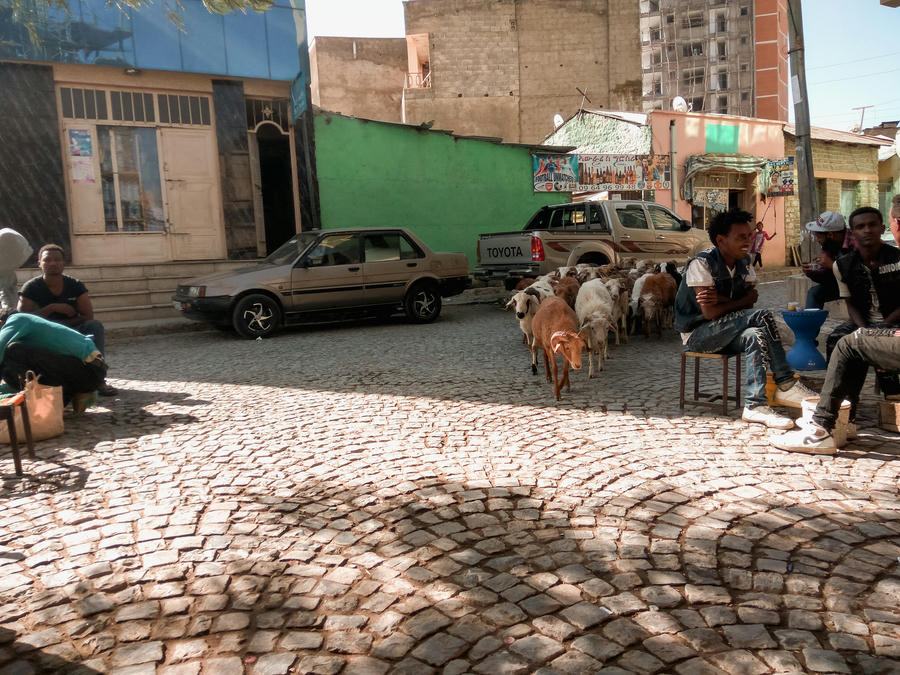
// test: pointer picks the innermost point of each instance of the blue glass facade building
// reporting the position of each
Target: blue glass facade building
(267, 45)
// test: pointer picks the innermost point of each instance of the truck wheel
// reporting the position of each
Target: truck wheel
(422, 303)
(594, 259)
(510, 283)
(256, 316)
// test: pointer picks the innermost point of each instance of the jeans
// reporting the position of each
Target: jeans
(95, 328)
(753, 333)
(818, 295)
(887, 382)
(854, 353)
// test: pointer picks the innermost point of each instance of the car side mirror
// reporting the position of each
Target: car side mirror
(685, 226)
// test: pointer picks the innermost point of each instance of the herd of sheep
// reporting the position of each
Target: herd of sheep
(576, 308)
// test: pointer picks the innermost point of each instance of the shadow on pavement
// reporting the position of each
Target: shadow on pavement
(31, 657)
(57, 466)
(473, 353)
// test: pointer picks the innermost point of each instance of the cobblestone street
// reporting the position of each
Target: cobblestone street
(391, 498)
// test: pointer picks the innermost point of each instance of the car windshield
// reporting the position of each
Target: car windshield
(290, 250)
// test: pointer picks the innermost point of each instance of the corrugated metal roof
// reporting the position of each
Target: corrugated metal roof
(835, 136)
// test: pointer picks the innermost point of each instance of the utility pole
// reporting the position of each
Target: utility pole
(806, 182)
(862, 114)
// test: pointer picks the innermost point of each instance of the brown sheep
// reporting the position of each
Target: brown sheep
(524, 283)
(657, 301)
(567, 289)
(556, 331)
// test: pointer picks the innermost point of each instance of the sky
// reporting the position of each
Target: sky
(852, 57)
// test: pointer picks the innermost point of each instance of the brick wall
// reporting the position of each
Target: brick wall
(532, 54)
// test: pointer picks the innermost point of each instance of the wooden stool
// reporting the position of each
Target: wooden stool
(706, 399)
(8, 413)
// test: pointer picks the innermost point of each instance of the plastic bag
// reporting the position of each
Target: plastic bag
(45, 411)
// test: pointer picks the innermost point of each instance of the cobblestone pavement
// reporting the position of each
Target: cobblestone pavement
(390, 498)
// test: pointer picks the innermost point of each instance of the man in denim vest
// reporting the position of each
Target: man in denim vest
(713, 312)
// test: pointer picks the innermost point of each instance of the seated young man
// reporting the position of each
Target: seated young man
(63, 299)
(868, 279)
(713, 312)
(831, 233)
(854, 353)
(61, 356)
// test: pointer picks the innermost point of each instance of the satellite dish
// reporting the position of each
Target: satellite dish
(679, 104)
(557, 121)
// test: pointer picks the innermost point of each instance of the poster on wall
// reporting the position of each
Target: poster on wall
(623, 172)
(781, 177)
(598, 173)
(80, 143)
(81, 156)
(555, 173)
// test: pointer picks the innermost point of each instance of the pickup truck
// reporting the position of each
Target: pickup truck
(586, 232)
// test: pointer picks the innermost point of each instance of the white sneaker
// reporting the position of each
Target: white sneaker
(811, 438)
(763, 414)
(793, 397)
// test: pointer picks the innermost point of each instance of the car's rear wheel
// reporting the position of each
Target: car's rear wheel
(256, 316)
(422, 303)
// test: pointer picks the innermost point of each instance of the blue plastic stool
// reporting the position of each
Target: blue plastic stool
(805, 325)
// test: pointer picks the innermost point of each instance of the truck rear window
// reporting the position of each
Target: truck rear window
(538, 221)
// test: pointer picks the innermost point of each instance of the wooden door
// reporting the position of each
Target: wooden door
(190, 169)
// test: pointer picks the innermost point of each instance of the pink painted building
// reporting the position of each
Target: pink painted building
(717, 161)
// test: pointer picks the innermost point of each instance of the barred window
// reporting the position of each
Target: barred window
(83, 104)
(132, 106)
(176, 109)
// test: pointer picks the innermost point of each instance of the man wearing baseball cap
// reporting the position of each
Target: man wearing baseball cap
(832, 234)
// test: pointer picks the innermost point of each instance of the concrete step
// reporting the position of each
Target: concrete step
(137, 313)
(177, 270)
(101, 286)
(105, 301)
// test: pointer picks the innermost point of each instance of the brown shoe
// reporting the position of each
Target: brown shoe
(106, 389)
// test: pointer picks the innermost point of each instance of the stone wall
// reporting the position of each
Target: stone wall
(531, 54)
(362, 77)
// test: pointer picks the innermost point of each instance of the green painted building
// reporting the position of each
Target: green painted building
(446, 189)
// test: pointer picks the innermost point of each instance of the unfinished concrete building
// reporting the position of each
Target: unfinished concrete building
(506, 68)
(720, 56)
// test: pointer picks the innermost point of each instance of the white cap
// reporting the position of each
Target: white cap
(830, 221)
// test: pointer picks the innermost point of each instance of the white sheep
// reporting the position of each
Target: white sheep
(594, 309)
(634, 305)
(525, 304)
(542, 287)
(616, 288)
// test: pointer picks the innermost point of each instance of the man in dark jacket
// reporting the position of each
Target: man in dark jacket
(868, 280)
(713, 312)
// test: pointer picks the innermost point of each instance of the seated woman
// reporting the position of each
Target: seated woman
(61, 356)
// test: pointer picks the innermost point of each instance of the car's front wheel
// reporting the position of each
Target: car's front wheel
(422, 303)
(256, 316)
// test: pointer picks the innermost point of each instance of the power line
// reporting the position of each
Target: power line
(856, 77)
(843, 63)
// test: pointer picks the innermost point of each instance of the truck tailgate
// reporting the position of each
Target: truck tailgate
(505, 249)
